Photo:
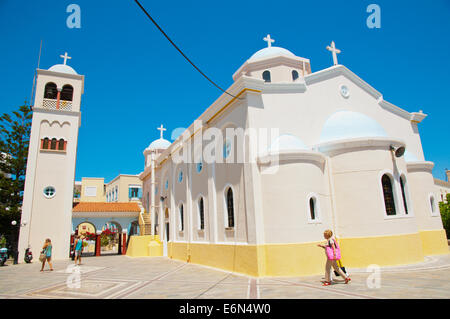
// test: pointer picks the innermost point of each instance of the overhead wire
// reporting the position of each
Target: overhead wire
(180, 51)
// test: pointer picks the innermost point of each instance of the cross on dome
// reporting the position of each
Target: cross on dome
(334, 51)
(65, 57)
(269, 41)
(161, 129)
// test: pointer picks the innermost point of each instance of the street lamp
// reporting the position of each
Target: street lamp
(14, 240)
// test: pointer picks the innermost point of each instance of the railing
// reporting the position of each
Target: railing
(51, 104)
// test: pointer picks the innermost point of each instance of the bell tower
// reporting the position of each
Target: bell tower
(50, 175)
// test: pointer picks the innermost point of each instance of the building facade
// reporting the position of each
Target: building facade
(336, 156)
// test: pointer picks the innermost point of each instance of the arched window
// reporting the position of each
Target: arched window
(266, 76)
(294, 75)
(181, 218)
(388, 194)
(45, 144)
(67, 92)
(402, 185)
(61, 144)
(230, 207)
(50, 91)
(53, 144)
(312, 208)
(201, 213)
(432, 203)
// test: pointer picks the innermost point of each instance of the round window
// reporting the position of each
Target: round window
(49, 191)
(345, 91)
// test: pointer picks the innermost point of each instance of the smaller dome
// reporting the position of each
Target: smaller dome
(345, 124)
(62, 68)
(287, 142)
(159, 144)
(270, 52)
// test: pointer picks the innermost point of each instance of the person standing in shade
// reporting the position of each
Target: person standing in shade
(78, 249)
(47, 249)
(333, 253)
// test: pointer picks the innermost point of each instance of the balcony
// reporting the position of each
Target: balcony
(51, 104)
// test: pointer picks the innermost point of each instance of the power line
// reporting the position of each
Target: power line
(179, 50)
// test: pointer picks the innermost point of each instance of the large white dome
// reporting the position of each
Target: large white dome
(62, 68)
(345, 124)
(159, 144)
(270, 52)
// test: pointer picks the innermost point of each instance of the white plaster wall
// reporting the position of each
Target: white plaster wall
(286, 203)
(359, 196)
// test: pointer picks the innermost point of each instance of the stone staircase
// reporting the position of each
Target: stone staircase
(147, 224)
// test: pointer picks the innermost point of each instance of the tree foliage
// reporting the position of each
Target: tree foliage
(15, 131)
(445, 214)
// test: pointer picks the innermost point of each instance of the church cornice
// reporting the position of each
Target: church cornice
(290, 156)
(421, 166)
(355, 144)
(338, 70)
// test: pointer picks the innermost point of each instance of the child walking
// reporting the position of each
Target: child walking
(333, 253)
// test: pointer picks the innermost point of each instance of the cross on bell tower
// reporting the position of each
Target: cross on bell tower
(65, 57)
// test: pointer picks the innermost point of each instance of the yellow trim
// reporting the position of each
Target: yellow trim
(231, 101)
(144, 246)
(211, 118)
(305, 259)
(382, 250)
(434, 242)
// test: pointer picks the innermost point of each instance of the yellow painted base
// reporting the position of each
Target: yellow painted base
(434, 242)
(277, 260)
(144, 246)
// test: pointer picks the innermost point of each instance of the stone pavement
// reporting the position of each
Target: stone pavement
(122, 277)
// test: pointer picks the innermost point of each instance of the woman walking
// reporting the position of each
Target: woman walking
(78, 249)
(333, 253)
(47, 250)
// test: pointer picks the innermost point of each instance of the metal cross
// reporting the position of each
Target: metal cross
(333, 49)
(161, 129)
(65, 57)
(268, 40)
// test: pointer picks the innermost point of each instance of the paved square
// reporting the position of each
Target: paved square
(122, 277)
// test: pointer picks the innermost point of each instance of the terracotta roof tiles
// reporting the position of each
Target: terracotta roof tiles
(105, 207)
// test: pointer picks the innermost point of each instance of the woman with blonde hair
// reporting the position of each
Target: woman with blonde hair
(47, 250)
(333, 253)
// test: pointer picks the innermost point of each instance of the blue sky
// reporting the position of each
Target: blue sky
(135, 80)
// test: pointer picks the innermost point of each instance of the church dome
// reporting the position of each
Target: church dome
(271, 52)
(159, 144)
(287, 142)
(345, 124)
(62, 68)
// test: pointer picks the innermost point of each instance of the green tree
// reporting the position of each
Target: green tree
(445, 214)
(15, 131)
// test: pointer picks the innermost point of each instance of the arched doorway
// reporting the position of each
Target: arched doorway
(110, 238)
(87, 231)
(166, 232)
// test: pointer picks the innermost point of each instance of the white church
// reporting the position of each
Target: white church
(342, 158)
